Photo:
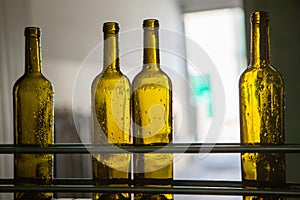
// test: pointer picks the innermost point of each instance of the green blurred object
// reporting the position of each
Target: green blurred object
(202, 90)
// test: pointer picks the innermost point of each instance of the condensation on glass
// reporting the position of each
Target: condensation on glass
(33, 121)
(261, 112)
(111, 117)
(152, 115)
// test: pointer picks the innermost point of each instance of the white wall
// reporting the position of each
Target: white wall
(73, 28)
(13, 18)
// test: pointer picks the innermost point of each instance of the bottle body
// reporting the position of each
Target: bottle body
(111, 124)
(152, 99)
(152, 118)
(111, 121)
(261, 96)
(33, 126)
(262, 115)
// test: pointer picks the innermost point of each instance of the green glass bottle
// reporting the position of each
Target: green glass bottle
(261, 113)
(111, 117)
(152, 115)
(33, 121)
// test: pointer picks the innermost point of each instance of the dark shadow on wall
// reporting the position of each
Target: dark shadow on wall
(71, 165)
(285, 54)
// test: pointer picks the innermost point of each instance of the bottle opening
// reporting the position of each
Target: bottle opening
(260, 17)
(32, 32)
(111, 27)
(150, 23)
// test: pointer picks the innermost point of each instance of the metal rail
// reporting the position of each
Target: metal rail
(172, 190)
(186, 187)
(171, 148)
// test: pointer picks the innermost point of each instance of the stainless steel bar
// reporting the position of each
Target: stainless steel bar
(187, 183)
(89, 181)
(173, 148)
(174, 190)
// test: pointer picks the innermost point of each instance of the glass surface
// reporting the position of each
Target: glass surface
(111, 117)
(152, 115)
(33, 121)
(261, 112)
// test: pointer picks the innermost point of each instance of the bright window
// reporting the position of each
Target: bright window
(220, 33)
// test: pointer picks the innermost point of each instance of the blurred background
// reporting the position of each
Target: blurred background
(217, 29)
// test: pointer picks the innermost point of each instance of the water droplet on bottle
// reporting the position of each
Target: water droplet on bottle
(260, 74)
(265, 134)
(261, 87)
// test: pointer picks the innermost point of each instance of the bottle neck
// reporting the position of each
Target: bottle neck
(111, 59)
(260, 44)
(151, 48)
(32, 54)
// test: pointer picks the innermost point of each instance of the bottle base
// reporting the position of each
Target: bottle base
(33, 196)
(109, 197)
(263, 198)
(152, 197)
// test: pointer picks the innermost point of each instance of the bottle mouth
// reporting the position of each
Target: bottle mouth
(260, 17)
(111, 27)
(150, 23)
(32, 32)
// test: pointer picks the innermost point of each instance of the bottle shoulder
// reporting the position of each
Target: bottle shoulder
(110, 79)
(103, 76)
(268, 73)
(152, 77)
(34, 81)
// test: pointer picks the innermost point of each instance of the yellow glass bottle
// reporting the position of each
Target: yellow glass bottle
(33, 121)
(111, 117)
(152, 115)
(261, 112)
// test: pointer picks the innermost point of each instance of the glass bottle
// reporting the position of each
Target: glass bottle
(152, 115)
(261, 112)
(33, 121)
(111, 117)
